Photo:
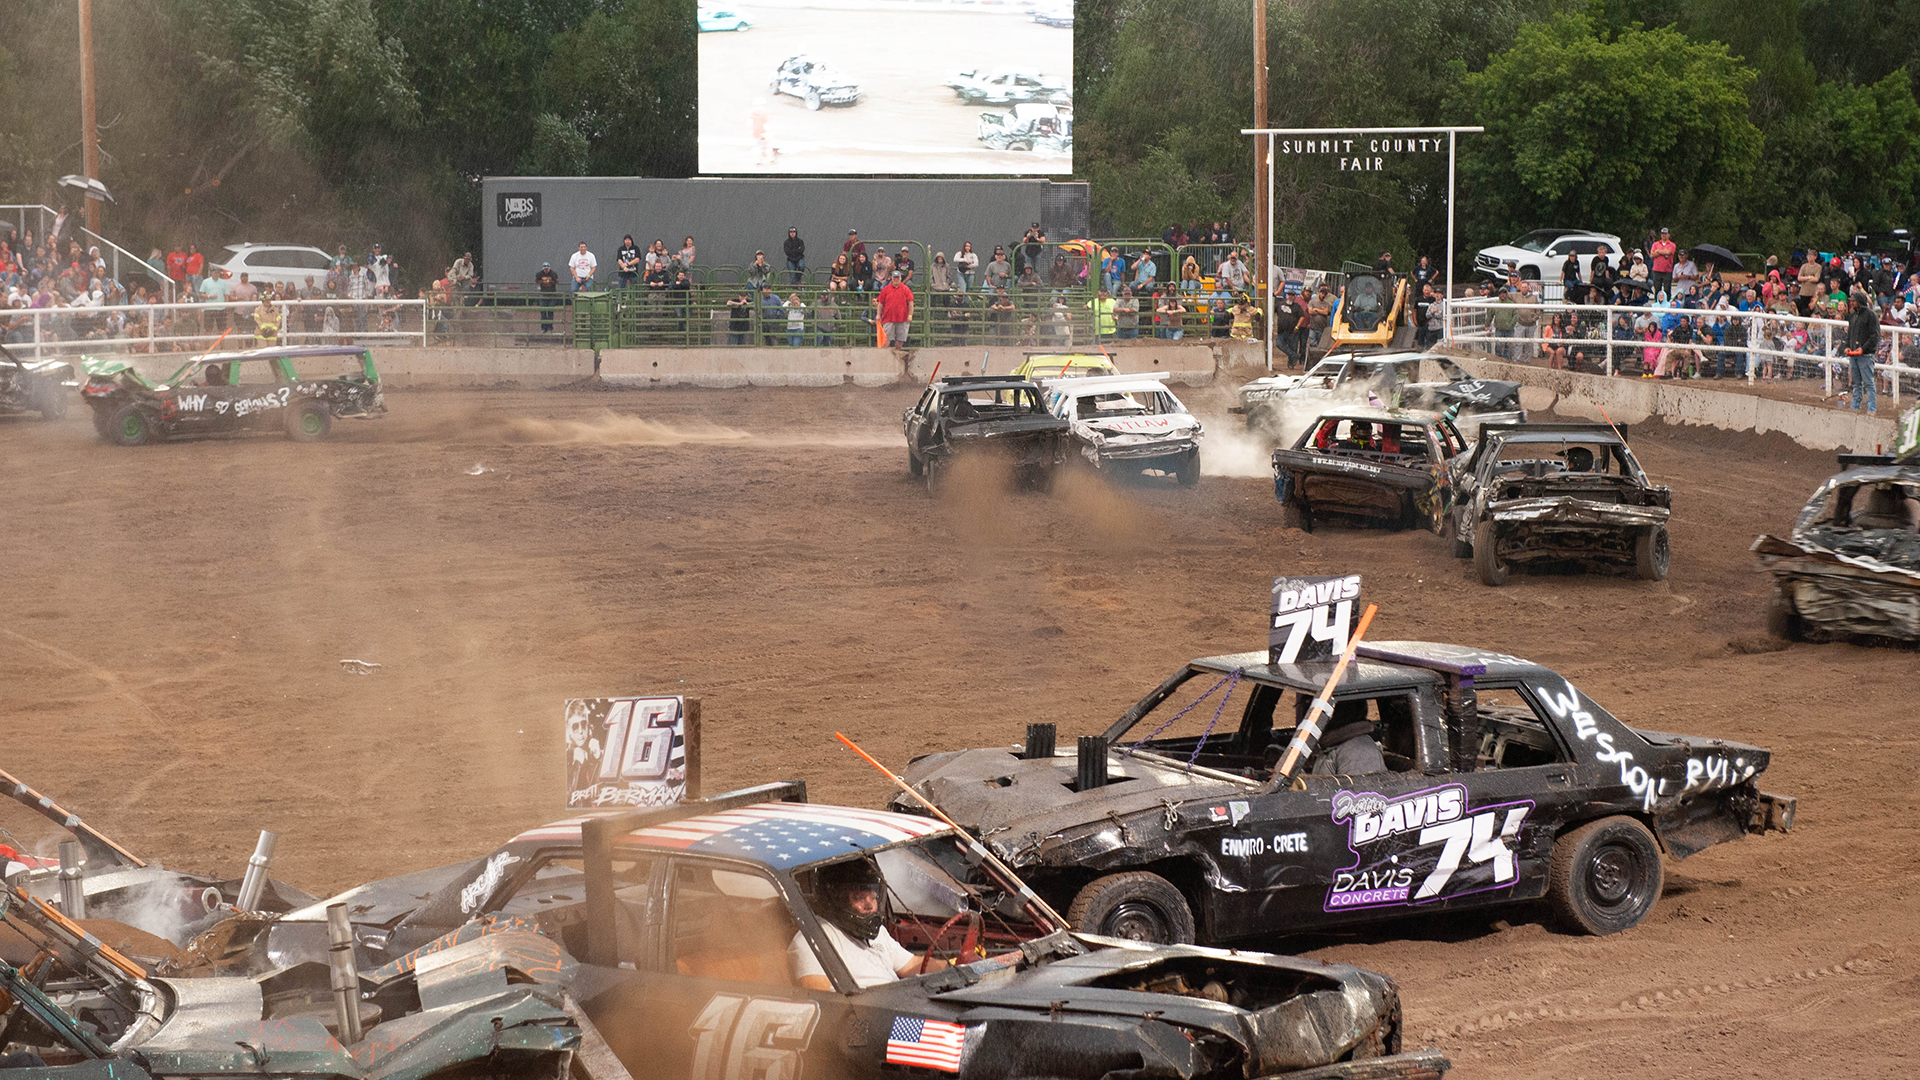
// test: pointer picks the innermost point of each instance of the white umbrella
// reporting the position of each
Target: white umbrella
(94, 188)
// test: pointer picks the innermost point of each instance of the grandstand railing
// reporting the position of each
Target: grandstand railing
(120, 261)
(1777, 347)
(151, 328)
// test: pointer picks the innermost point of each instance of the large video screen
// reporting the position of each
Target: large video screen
(886, 86)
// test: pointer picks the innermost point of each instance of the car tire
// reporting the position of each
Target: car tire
(1138, 906)
(130, 426)
(914, 465)
(1186, 468)
(1529, 273)
(1021, 145)
(740, 28)
(1462, 547)
(813, 101)
(52, 404)
(103, 423)
(1486, 556)
(1652, 554)
(1783, 621)
(1605, 876)
(935, 477)
(1296, 517)
(309, 422)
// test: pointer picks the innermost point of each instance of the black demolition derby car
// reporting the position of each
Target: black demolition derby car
(1389, 467)
(42, 386)
(1557, 493)
(1485, 779)
(296, 389)
(694, 925)
(988, 415)
(1851, 566)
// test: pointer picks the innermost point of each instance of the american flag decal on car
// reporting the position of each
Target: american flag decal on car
(926, 1044)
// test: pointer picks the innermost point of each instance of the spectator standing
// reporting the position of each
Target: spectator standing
(1320, 314)
(382, 267)
(772, 314)
(941, 277)
(758, 271)
(1809, 278)
(824, 314)
(359, 288)
(1686, 276)
(1126, 315)
(896, 310)
(1102, 307)
(197, 265)
(1863, 346)
(1600, 275)
(1526, 321)
(582, 265)
(681, 299)
(460, 275)
(795, 250)
(1571, 287)
(1437, 320)
(177, 266)
(967, 262)
(796, 320)
(1505, 315)
(1286, 321)
(1000, 315)
(999, 271)
(1233, 272)
(1425, 273)
(739, 319)
(266, 323)
(1662, 252)
(687, 252)
(626, 262)
(853, 246)
(548, 283)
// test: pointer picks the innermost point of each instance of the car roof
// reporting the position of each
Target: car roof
(1394, 416)
(250, 245)
(1599, 433)
(784, 835)
(956, 383)
(1088, 385)
(1366, 675)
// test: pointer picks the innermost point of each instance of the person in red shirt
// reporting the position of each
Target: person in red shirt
(896, 311)
(196, 264)
(1663, 251)
(177, 265)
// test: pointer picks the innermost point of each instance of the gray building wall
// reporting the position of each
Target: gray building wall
(732, 218)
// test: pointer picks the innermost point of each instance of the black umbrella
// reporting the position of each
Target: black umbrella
(1718, 254)
(1632, 283)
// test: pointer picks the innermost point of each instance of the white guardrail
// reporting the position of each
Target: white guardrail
(1776, 346)
(193, 328)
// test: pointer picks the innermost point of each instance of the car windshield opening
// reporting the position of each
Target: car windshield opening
(938, 895)
(1133, 403)
(1560, 458)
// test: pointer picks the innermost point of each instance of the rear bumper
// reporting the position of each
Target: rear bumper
(1414, 1065)
(1772, 813)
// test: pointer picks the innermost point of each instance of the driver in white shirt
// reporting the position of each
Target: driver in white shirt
(847, 900)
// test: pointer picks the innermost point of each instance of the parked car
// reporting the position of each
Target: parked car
(813, 82)
(276, 264)
(297, 389)
(1046, 128)
(1060, 15)
(1395, 468)
(1010, 88)
(1537, 493)
(1850, 568)
(714, 19)
(1128, 422)
(44, 386)
(1393, 377)
(983, 414)
(1538, 255)
(1489, 780)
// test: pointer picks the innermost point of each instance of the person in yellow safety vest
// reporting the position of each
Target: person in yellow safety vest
(1102, 306)
(266, 323)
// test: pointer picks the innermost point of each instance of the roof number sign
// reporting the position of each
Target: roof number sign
(1311, 619)
(626, 751)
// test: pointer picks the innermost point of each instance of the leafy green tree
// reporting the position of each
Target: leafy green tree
(1609, 134)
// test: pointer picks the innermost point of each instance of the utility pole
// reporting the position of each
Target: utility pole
(89, 140)
(1262, 243)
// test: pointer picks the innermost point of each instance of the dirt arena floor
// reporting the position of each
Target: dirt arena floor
(906, 121)
(172, 620)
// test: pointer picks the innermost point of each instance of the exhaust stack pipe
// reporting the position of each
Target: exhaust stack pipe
(1093, 762)
(255, 881)
(346, 981)
(73, 891)
(1040, 741)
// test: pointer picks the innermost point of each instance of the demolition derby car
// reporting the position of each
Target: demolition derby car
(75, 1008)
(813, 82)
(1851, 565)
(1010, 88)
(1485, 779)
(1030, 126)
(1394, 378)
(1538, 493)
(105, 880)
(1128, 422)
(718, 939)
(983, 414)
(41, 386)
(1389, 467)
(295, 389)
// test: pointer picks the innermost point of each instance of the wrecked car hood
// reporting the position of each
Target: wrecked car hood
(1486, 393)
(1022, 807)
(387, 901)
(1569, 510)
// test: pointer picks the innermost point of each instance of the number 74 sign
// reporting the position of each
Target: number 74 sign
(1312, 617)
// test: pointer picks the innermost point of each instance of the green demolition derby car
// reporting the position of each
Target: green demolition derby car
(297, 389)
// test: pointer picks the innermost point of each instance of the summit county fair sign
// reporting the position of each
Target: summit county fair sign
(1358, 150)
(1374, 149)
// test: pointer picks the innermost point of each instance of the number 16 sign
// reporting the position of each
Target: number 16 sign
(632, 751)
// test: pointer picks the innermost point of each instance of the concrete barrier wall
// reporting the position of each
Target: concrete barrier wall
(417, 366)
(1630, 401)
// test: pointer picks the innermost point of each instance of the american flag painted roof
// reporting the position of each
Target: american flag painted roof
(779, 834)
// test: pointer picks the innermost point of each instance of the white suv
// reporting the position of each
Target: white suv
(276, 264)
(1539, 255)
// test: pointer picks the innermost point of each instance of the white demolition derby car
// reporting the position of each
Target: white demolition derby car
(1129, 422)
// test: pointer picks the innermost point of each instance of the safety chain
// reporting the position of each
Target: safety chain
(1227, 680)
(1233, 680)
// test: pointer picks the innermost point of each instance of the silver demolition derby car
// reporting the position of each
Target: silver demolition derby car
(1128, 422)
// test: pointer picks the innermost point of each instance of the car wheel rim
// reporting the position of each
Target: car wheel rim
(1137, 920)
(131, 427)
(310, 423)
(1614, 877)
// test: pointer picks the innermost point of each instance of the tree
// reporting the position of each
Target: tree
(1607, 134)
